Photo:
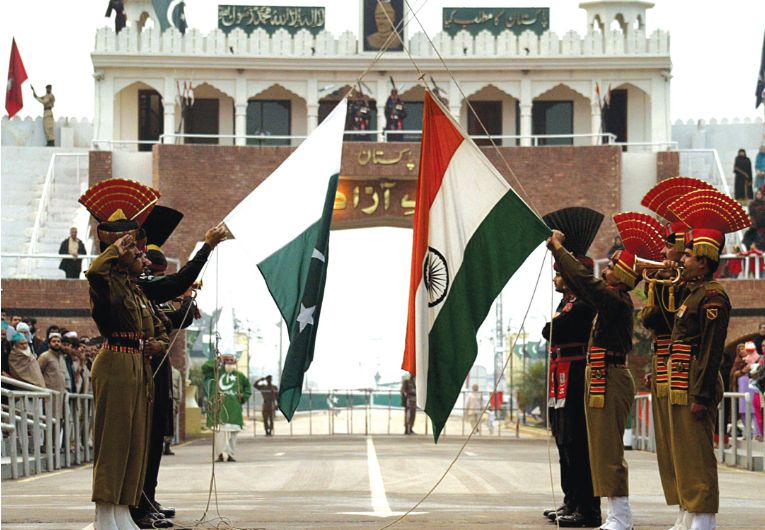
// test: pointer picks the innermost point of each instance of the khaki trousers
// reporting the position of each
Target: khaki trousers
(605, 431)
(122, 389)
(692, 446)
(660, 411)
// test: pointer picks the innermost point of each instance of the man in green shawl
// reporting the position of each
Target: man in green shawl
(227, 388)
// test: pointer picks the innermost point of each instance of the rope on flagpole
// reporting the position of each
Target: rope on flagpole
(474, 428)
(470, 107)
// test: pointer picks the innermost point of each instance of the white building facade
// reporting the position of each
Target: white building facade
(523, 87)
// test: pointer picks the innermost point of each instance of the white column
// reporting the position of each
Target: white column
(596, 123)
(659, 111)
(525, 105)
(455, 102)
(104, 113)
(168, 103)
(312, 105)
(240, 110)
(383, 91)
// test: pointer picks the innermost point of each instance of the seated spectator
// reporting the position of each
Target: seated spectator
(759, 338)
(23, 363)
(617, 245)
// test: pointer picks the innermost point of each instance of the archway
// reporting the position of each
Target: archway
(276, 111)
(561, 110)
(496, 112)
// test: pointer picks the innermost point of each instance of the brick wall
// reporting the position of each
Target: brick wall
(667, 165)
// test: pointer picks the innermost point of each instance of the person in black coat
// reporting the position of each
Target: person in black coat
(73, 246)
(742, 170)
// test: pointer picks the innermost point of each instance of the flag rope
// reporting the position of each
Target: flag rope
(527, 197)
(474, 428)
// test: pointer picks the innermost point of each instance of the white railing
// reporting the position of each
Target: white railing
(384, 135)
(728, 453)
(34, 439)
(704, 164)
(24, 272)
(42, 207)
(237, 43)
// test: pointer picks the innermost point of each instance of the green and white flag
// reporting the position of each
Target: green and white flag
(291, 250)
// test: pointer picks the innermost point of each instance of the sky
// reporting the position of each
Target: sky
(715, 51)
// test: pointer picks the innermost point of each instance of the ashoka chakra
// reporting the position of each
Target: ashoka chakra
(436, 275)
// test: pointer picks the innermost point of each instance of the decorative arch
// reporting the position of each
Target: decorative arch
(414, 93)
(275, 90)
(619, 23)
(597, 24)
(125, 84)
(223, 87)
(579, 87)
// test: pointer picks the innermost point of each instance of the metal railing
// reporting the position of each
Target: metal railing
(382, 135)
(25, 272)
(698, 163)
(739, 451)
(42, 207)
(380, 412)
(35, 439)
(728, 450)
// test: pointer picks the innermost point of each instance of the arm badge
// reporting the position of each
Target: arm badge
(712, 313)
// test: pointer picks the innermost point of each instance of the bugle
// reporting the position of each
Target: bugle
(645, 266)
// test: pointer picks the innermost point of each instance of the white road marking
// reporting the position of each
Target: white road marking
(281, 453)
(469, 453)
(380, 506)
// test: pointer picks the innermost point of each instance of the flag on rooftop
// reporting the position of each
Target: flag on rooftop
(14, 100)
(292, 250)
(471, 233)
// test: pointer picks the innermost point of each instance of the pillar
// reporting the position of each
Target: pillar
(525, 107)
(168, 104)
(312, 105)
(596, 123)
(240, 110)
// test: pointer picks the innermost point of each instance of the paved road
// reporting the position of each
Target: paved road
(354, 482)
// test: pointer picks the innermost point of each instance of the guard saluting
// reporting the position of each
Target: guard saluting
(658, 315)
(698, 339)
(568, 335)
(122, 379)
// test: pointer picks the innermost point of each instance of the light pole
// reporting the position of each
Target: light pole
(279, 372)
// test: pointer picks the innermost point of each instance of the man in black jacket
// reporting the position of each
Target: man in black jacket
(73, 246)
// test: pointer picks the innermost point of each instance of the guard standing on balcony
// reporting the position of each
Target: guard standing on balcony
(47, 100)
(698, 338)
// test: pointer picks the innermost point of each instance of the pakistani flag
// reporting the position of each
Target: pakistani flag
(471, 233)
(291, 247)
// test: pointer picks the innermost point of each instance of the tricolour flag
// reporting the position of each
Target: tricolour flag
(16, 75)
(291, 250)
(471, 233)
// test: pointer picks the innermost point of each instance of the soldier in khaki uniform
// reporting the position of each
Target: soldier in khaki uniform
(610, 389)
(698, 339)
(48, 100)
(121, 375)
(658, 316)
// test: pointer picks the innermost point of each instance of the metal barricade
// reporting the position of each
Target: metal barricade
(643, 436)
(732, 449)
(34, 440)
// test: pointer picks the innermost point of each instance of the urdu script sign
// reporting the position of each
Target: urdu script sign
(496, 19)
(270, 18)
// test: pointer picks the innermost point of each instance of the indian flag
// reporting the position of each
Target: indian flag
(471, 233)
(284, 225)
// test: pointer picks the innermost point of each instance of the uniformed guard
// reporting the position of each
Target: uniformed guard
(161, 289)
(409, 401)
(568, 335)
(48, 100)
(121, 375)
(270, 393)
(698, 339)
(658, 315)
(609, 387)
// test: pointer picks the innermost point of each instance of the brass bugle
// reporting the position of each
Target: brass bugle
(644, 266)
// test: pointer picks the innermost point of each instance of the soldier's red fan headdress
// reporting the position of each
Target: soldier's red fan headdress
(641, 236)
(711, 215)
(120, 206)
(662, 195)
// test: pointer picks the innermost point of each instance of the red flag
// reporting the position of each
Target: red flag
(16, 76)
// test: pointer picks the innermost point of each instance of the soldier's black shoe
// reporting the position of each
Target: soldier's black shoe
(231, 458)
(220, 458)
(560, 512)
(166, 511)
(150, 521)
(551, 511)
(577, 520)
(168, 451)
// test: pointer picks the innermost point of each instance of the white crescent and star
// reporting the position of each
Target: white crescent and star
(227, 382)
(305, 317)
